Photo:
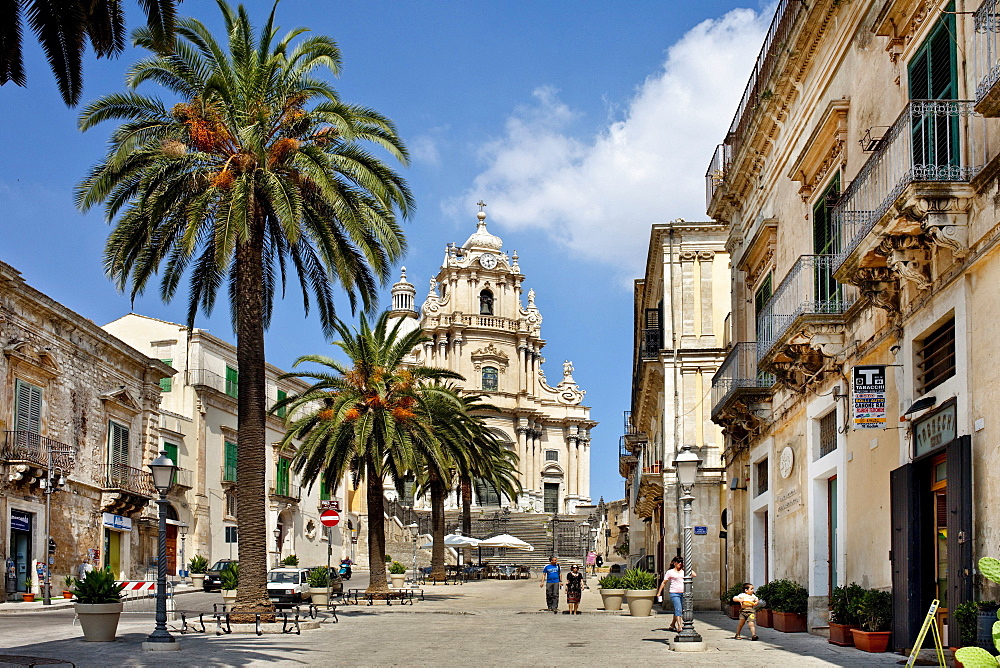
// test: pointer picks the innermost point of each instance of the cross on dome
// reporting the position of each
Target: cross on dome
(481, 239)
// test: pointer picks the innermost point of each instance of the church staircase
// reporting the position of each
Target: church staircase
(532, 528)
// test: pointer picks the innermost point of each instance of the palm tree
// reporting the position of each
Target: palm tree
(63, 29)
(367, 418)
(260, 170)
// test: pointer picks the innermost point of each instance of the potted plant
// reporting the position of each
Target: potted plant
(397, 573)
(732, 609)
(875, 615)
(640, 591)
(789, 602)
(319, 582)
(765, 617)
(28, 596)
(844, 613)
(69, 582)
(291, 561)
(98, 605)
(612, 592)
(230, 580)
(198, 565)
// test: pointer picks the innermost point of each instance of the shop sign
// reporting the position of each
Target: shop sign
(935, 430)
(868, 384)
(20, 520)
(117, 522)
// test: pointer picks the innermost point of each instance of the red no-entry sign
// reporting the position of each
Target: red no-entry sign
(330, 518)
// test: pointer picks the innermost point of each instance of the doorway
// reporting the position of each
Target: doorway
(551, 497)
(831, 532)
(21, 524)
(113, 551)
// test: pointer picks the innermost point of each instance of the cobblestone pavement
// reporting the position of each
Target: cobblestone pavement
(484, 623)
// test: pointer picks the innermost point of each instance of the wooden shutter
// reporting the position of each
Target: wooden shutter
(172, 452)
(118, 448)
(232, 381)
(166, 384)
(282, 476)
(959, 523)
(908, 606)
(933, 70)
(229, 474)
(28, 412)
(282, 395)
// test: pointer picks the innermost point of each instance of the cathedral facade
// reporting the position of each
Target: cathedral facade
(478, 325)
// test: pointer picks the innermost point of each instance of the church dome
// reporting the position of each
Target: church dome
(481, 239)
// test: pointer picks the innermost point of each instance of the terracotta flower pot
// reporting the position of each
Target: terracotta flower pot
(871, 641)
(789, 622)
(612, 598)
(765, 618)
(733, 611)
(840, 634)
(67, 594)
(28, 597)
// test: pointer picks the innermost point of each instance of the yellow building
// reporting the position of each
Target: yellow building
(858, 183)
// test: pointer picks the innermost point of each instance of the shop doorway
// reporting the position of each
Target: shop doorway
(113, 551)
(21, 524)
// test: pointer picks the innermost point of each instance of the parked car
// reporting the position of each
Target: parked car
(213, 578)
(288, 586)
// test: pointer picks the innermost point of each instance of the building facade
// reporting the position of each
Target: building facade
(681, 306)
(79, 418)
(858, 182)
(478, 326)
(198, 429)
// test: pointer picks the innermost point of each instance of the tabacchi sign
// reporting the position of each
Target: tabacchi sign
(868, 385)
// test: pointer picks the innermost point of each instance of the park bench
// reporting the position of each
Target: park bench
(400, 595)
(289, 624)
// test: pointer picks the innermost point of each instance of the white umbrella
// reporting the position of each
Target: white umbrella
(508, 541)
(455, 540)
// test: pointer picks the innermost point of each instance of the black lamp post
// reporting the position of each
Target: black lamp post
(277, 547)
(686, 466)
(163, 470)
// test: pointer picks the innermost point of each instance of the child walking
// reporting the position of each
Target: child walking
(748, 606)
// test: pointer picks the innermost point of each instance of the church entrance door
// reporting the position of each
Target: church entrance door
(551, 497)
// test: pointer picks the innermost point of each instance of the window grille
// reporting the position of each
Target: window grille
(828, 433)
(936, 357)
(551, 455)
(761, 477)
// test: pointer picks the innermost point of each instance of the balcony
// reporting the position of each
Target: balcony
(30, 454)
(627, 459)
(286, 492)
(126, 489)
(651, 343)
(741, 394)
(802, 325)
(986, 57)
(184, 479)
(912, 194)
(212, 380)
(715, 176)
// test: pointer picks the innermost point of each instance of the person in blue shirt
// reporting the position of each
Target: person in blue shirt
(552, 581)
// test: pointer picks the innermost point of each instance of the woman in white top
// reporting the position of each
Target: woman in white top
(675, 578)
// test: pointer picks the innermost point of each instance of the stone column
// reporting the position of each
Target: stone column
(524, 463)
(572, 465)
(705, 267)
(687, 293)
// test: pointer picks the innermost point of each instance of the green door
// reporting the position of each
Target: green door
(826, 236)
(933, 75)
(281, 479)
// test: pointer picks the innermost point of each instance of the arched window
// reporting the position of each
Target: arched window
(485, 303)
(490, 378)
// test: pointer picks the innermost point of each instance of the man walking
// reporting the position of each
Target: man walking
(552, 581)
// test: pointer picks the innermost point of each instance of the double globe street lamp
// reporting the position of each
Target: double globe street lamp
(163, 470)
(686, 466)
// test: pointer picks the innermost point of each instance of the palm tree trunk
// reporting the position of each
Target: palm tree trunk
(376, 529)
(466, 505)
(251, 461)
(437, 527)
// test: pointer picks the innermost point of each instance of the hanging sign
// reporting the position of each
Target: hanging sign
(20, 520)
(117, 522)
(868, 385)
(934, 430)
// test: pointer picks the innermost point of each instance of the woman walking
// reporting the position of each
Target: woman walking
(574, 589)
(675, 578)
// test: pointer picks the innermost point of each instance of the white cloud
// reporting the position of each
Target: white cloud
(599, 195)
(424, 149)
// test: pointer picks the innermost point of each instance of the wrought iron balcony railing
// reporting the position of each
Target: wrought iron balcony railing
(986, 47)
(206, 378)
(931, 141)
(808, 289)
(26, 446)
(129, 479)
(715, 176)
(287, 490)
(624, 450)
(738, 371)
(651, 343)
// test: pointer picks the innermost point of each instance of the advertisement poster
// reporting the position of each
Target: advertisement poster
(868, 388)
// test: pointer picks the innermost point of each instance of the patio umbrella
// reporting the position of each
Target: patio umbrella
(508, 541)
(454, 540)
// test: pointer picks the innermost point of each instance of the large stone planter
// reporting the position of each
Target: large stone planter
(640, 601)
(229, 596)
(789, 622)
(99, 621)
(612, 598)
(765, 618)
(840, 634)
(198, 580)
(319, 596)
(871, 641)
(398, 580)
(733, 611)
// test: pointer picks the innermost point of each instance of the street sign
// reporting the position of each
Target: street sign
(868, 383)
(329, 518)
(701, 531)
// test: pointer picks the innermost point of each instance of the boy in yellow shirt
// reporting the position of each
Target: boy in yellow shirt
(748, 611)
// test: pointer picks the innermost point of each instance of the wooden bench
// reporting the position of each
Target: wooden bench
(223, 619)
(387, 596)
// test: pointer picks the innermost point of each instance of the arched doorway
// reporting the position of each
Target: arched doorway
(172, 523)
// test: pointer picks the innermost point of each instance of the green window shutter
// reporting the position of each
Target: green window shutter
(324, 489)
(282, 395)
(281, 479)
(763, 294)
(933, 70)
(166, 384)
(232, 381)
(28, 411)
(229, 471)
(172, 452)
(118, 446)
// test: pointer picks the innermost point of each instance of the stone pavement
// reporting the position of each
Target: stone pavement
(485, 623)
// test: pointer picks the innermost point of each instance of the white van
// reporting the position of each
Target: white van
(288, 586)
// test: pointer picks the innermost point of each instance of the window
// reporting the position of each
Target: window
(172, 452)
(166, 384)
(486, 493)
(491, 379)
(826, 242)
(232, 381)
(936, 357)
(761, 477)
(231, 502)
(283, 411)
(932, 75)
(232, 535)
(551, 455)
(28, 411)
(324, 488)
(281, 476)
(828, 433)
(229, 468)
(117, 445)
(763, 294)
(485, 303)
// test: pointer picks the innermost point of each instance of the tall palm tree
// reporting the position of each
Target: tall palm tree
(258, 171)
(63, 28)
(367, 418)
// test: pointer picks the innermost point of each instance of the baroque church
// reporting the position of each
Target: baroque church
(478, 325)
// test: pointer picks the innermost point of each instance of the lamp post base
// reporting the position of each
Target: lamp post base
(698, 646)
(161, 646)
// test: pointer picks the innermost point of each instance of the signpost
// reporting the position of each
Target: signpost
(329, 519)
(868, 384)
(930, 621)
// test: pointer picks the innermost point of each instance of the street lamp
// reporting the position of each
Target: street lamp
(163, 470)
(414, 530)
(686, 466)
(585, 536)
(182, 529)
(277, 546)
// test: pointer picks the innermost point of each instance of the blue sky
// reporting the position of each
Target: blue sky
(580, 123)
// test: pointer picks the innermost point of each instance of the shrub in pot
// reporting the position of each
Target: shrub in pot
(977, 657)
(844, 613)
(291, 561)
(788, 602)
(230, 580)
(69, 582)
(98, 605)
(397, 573)
(612, 592)
(765, 617)
(875, 616)
(640, 591)
(198, 566)
(319, 581)
(730, 608)
(28, 596)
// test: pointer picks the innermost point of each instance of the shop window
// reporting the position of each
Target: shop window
(762, 477)
(936, 357)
